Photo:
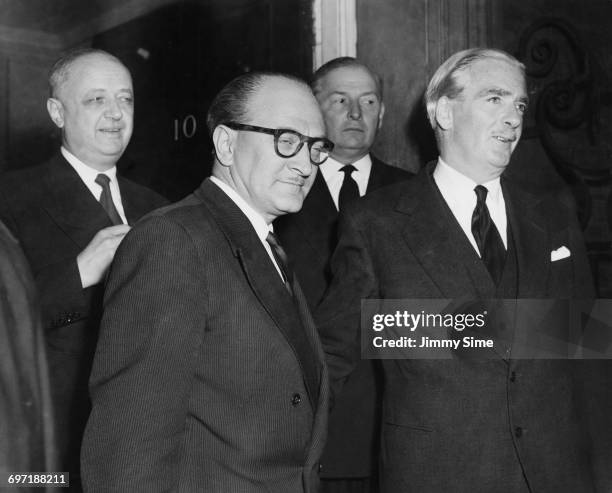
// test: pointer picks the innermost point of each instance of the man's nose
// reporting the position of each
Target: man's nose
(301, 162)
(113, 110)
(354, 110)
(513, 117)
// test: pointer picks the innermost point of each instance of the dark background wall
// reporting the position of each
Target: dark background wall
(566, 48)
(565, 45)
(181, 52)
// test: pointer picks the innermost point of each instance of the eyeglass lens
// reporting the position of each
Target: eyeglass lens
(289, 144)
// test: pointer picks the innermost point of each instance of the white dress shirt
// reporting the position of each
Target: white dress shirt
(458, 192)
(88, 176)
(255, 218)
(332, 175)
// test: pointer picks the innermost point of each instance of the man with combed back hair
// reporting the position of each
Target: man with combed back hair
(463, 230)
(209, 374)
(351, 100)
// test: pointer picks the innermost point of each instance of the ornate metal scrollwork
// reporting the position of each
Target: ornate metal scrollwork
(571, 98)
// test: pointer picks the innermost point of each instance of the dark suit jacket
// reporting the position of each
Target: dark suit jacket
(26, 424)
(462, 425)
(200, 380)
(310, 237)
(54, 216)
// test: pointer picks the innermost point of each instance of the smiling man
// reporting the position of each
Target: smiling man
(209, 374)
(463, 230)
(70, 214)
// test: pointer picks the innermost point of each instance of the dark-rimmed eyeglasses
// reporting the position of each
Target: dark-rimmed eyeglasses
(287, 143)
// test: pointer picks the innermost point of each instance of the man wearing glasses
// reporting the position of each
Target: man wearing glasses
(209, 374)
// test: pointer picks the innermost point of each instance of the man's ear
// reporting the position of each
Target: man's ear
(223, 139)
(55, 108)
(444, 113)
(380, 115)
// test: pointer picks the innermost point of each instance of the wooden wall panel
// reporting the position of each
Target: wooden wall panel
(405, 41)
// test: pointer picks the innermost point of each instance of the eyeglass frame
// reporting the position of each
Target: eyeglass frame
(277, 132)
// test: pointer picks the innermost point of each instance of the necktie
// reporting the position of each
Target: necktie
(107, 200)
(281, 259)
(349, 190)
(487, 237)
(296, 332)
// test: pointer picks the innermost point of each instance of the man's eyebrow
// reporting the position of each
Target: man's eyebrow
(346, 93)
(498, 91)
(106, 89)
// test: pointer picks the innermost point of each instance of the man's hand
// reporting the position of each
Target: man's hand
(94, 260)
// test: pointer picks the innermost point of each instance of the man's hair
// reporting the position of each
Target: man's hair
(341, 62)
(60, 71)
(231, 104)
(445, 82)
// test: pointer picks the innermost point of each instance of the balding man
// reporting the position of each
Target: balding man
(209, 374)
(69, 215)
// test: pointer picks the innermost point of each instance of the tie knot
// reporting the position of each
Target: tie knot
(348, 169)
(481, 193)
(102, 180)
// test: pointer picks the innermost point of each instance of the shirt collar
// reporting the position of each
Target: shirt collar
(456, 185)
(259, 223)
(331, 167)
(87, 173)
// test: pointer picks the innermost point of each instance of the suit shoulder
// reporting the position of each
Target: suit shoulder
(378, 203)
(22, 192)
(144, 195)
(18, 182)
(387, 195)
(393, 172)
(185, 212)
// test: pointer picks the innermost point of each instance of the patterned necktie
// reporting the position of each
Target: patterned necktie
(349, 190)
(487, 237)
(281, 260)
(107, 200)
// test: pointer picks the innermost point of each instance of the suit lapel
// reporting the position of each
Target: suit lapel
(531, 237)
(131, 208)
(317, 216)
(264, 280)
(438, 242)
(378, 175)
(376, 178)
(70, 203)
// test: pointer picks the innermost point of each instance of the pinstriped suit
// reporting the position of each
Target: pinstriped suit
(198, 383)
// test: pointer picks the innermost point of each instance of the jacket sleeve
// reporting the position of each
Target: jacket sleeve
(338, 316)
(62, 298)
(150, 335)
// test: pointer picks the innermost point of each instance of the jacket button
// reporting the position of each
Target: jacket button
(296, 399)
(513, 376)
(518, 432)
(320, 467)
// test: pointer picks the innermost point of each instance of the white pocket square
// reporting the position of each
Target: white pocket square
(559, 253)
